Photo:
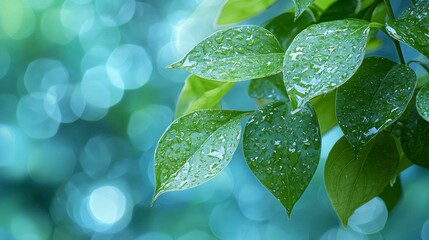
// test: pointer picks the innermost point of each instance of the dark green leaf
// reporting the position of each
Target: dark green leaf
(199, 93)
(195, 148)
(322, 57)
(392, 193)
(412, 27)
(374, 98)
(422, 102)
(415, 139)
(424, 63)
(300, 6)
(283, 149)
(353, 180)
(235, 54)
(238, 10)
(285, 27)
(324, 105)
(340, 10)
(271, 87)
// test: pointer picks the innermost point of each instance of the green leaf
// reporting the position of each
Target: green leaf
(422, 102)
(285, 27)
(374, 98)
(322, 57)
(238, 10)
(235, 54)
(424, 63)
(300, 6)
(415, 139)
(392, 193)
(271, 87)
(283, 149)
(353, 180)
(324, 105)
(412, 27)
(199, 93)
(340, 10)
(195, 148)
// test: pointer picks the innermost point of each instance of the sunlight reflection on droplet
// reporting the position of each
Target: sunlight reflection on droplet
(107, 204)
(129, 66)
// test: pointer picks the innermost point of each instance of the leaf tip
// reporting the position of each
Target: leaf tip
(155, 197)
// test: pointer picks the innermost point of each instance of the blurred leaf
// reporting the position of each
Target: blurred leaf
(374, 97)
(235, 54)
(324, 105)
(199, 93)
(300, 6)
(392, 193)
(422, 102)
(322, 57)
(238, 10)
(415, 139)
(271, 87)
(283, 149)
(412, 27)
(353, 180)
(339, 10)
(424, 63)
(195, 148)
(285, 27)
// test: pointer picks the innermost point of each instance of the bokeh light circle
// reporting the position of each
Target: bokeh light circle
(115, 13)
(43, 73)
(129, 66)
(107, 204)
(59, 101)
(370, 218)
(74, 15)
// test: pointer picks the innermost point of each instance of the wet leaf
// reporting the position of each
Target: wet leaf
(322, 57)
(199, 93)
(238, 10)
(285, 27)
(422, 102)
(235, 54)
(283, 149)
(324, 105)
(415, 139)
(374, 98)
(353, 180)
(340, 10)
(412, 27)
(300, 6)
(271, 87)
(195, 148)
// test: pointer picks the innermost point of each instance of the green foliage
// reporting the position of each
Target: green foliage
(283, 149)
(308, 72)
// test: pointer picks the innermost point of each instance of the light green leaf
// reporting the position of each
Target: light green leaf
(353, 180)
(271, 87)
(324, 105)
(195, 148)
(283, 149)
(199, 93)
(322, 57)
(285, 27)
(412, 27)
(415, 139)
(238, 10)
(300, 6)
(374, 98)
(422, 102)
(235, 54)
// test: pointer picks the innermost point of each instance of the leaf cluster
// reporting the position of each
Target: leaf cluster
(309, 70)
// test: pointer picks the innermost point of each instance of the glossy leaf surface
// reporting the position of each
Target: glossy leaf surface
(285, 27)
(353, 180)
(283, 149)
(235, 54)
(374, 98)
(238, 10)
(199, 93)
(415, 139)
(195, 148)
(322, 57)
(300, 6)
(271, 87)
(324, 105)
(422, 102)
(412, 27)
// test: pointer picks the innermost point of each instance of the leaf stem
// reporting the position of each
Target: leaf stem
(395, 42)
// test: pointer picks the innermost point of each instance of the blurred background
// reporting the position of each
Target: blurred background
(84, 97)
